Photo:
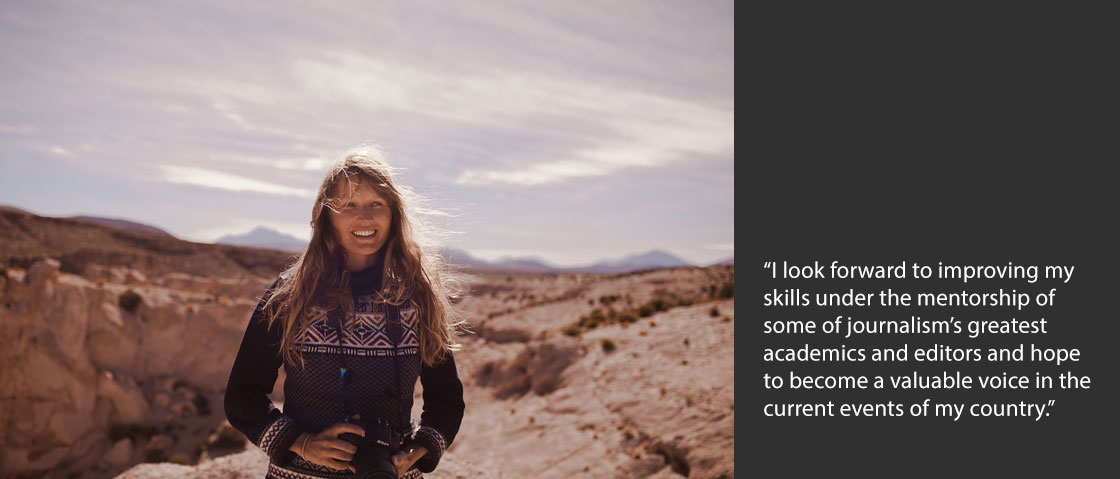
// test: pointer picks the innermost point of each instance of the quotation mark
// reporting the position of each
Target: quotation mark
(772, 267)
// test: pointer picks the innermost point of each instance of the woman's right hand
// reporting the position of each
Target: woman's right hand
(326, 449)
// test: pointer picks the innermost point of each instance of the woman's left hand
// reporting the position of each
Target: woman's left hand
(404, 460)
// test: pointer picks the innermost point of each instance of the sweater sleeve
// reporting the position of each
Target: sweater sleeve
(442, 411)
(254, 372)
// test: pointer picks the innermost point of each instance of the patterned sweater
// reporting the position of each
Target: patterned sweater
(315, 397)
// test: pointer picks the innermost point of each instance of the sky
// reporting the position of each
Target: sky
(567, 131)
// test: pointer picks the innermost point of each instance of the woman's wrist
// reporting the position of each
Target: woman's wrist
(300, 443)
(416, 453)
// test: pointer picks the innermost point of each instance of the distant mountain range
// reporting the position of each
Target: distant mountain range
(122, 224)
(649, 260)
(261, 237)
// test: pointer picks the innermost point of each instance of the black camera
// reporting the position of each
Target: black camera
(374, 459)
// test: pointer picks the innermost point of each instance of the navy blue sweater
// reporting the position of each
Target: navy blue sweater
(382, 365)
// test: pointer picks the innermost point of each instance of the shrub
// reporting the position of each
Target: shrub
(645, 310)
(608, 345)
(181, 458)
(201, 404)
(228, 438)
(714, 312)
(571, 330)
(155, 455)
(129, 301)
(727, 291)
(627, 316)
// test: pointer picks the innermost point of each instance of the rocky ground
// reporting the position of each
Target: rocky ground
(565, 375)
(649, 398)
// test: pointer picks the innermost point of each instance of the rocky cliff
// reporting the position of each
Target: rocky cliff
(105, 369)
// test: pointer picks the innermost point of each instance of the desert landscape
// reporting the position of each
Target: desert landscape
(117, 345)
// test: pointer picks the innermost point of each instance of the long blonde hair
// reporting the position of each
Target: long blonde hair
(318, 278)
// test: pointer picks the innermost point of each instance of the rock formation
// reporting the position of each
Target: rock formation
(90, 381)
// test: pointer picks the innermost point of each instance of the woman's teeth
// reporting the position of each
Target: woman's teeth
(365, 233)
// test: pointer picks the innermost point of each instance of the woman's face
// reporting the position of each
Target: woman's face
(361, 223)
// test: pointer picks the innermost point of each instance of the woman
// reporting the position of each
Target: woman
(354, 321)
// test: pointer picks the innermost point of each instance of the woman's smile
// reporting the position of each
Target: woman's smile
(360, 219)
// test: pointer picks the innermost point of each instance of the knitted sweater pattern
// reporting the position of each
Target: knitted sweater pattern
(370, 370)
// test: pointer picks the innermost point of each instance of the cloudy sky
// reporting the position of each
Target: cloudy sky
(572, 131)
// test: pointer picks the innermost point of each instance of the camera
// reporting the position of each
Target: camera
(374, 459)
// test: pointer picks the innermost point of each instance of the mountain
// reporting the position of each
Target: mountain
(724, 262)
(649, 260)
(526, 263)
(121, 224)
(261, 237)
(26, 238)
(505, 263)
(461, 258)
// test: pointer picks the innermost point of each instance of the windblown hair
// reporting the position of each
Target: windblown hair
(318, 278)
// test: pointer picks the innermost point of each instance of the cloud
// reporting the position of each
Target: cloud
(307, 163)
(624, 127)
(216, 179)
(18, 129)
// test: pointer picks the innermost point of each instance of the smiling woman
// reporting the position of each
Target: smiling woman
(360, 316)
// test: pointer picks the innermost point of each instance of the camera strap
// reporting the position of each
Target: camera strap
(394, 330)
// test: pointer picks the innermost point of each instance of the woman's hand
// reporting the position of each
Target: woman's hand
(404, 460)
(326, 449)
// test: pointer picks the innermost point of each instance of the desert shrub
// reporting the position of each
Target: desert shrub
(607, 344)
(627, 316)
(593, 320)
(645, 310)
(727, 291)
(129, 301)
(181, 458)
(660, 305)
(608, 299)
(714, 312)
(571, 330)
(201, 404)
(227, 437)
(155, 455)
